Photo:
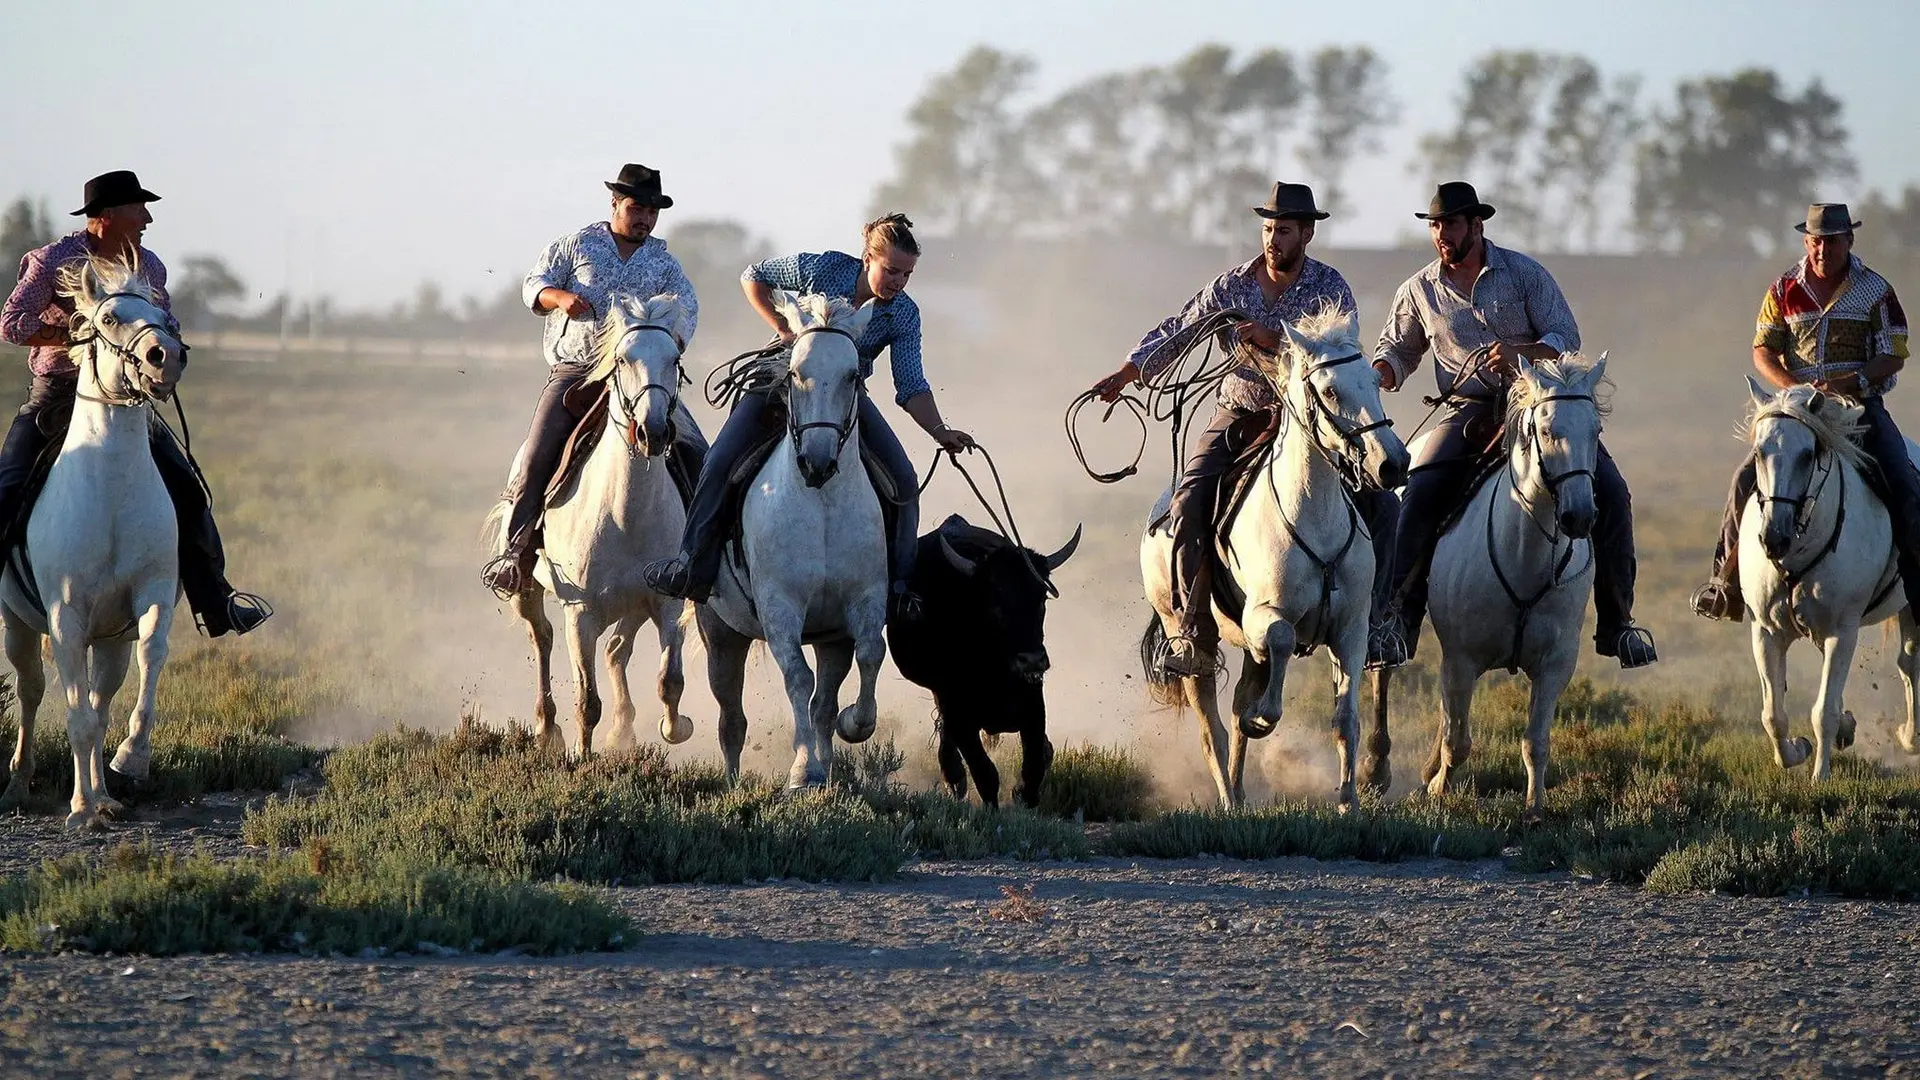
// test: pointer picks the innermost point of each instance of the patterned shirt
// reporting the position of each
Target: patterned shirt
(588, 264)
(1514, 300)
(1862, 320)
(895, 324)
(1245, 388)
(36, 303)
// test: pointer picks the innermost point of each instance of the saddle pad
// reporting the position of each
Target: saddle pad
(683, 465)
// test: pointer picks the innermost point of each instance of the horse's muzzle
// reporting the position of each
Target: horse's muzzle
(816, 475)
(1577, 524)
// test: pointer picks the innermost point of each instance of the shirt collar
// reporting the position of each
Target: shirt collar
(1309, 270)
(1802, 271)
(1496, 260)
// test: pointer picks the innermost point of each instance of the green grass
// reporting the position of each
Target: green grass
(139, 902)
(1097, 783)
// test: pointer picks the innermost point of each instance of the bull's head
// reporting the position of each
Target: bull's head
(1014, 583)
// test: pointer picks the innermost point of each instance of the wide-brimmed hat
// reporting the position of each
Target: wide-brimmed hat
(1291, 201)
(117, 188)
(640, 184)
(1456, 197)
(1827, 219)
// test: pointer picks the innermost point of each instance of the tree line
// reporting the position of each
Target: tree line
(1577, 159)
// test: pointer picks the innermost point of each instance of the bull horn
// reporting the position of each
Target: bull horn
(956, 560)
(1059, 558)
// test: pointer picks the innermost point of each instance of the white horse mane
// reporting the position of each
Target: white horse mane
(823, 310)
(1835, 425)
(1548, 376)
(1331, 328)
(624, 310)
(110, 275)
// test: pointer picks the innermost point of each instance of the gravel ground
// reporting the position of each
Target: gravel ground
(1131, 968)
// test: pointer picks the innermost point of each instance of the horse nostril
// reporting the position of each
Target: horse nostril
(156, 355)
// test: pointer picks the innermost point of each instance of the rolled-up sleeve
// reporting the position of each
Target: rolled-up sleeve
(1888, 324)
(675, 280)
(554, 270)
(1403, 341)
(1770, 329)
(909, 373)
(22, 317)
(1548, 311)
(793, 273)
(1167, 341)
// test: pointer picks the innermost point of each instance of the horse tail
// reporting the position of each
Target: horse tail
(493, 531)
(1162, 689)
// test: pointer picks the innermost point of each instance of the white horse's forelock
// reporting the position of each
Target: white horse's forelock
(1549, 376)
(1330, 328)
(1836, 426)
(110, 276)
(625, 310)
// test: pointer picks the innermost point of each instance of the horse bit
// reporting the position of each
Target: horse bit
(126, 355)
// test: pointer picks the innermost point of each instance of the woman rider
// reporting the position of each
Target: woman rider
(880, 275)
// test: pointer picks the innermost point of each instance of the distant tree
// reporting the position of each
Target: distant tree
(430, 304)
(1497, 132)
(25, 226)
(963, 169)
(1590, 131)
(1098, 177)
(202, 284)
(713, 251)
(1350, 106)
(1891, 229)
(1734, 161)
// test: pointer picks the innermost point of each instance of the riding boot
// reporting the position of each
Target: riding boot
(692, 573)
(511, 572)
(1615, 570)
(1900, 486)
(18, 458)
(900, 515)
(218, 606)
(1720, 597)
(1191, 650)
(1386, 647)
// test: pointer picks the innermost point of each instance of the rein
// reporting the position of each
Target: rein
(843, 430)
(632, 405)
(1557, 577)
(1009, 530)
(1802, 513)
(1168, 394)
(126, 355)
(1352, 473)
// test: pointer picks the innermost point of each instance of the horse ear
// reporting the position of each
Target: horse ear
(1523, 365)
(1761, 395)
(788, 305)
(856, 323)
(1597, 372)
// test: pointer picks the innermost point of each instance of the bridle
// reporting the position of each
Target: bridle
(631, 405)
(843, 430)
(1348, 459)
(1524, 607)
(1538, 452)
(1801, 502)
(127, 355)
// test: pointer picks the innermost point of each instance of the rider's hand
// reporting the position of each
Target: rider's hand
(1389, 379)
(784, 332)
(1110, 388)
(1500, 357)
(1853, 386)
(569, 303)
(951, 438)
(1260, 337)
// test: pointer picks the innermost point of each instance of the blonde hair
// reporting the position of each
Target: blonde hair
(892, 230)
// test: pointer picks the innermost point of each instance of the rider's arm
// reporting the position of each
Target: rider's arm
(1403, 341)
(1771, 340)
(1888, 326)
(911, 391)
(793, 273)
(20, 319)
(1548, 313)
(546, 285)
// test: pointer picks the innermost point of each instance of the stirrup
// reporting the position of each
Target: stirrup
(246, 611)
(504, 577)
(1183, 658)
(668, 577)
(1387, 644)
(1633, 645)
(1717, 600)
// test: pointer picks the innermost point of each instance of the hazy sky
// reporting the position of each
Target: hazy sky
(364, 145)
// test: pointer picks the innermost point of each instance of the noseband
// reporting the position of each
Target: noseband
(1343, 461)
(1553, 480)
(127, 356)
(1805, 498)
(631, 405)
(842, 431)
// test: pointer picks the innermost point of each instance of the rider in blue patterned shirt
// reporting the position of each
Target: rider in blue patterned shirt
(1278, 287)
(570, 286)
(890, 252)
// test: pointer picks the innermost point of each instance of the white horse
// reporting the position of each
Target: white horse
(1817, 562)
(620, 513)
(102, 543)
(1300, 552)
(811, 568)
(1510, 578)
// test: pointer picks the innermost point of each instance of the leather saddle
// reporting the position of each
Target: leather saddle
(590, 401)
(1255, 436)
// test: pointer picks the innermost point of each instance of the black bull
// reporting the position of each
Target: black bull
(979, 646)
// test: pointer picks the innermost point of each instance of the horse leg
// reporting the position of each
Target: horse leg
(783, 623)
(619, 652)
(134, 755)
(1454, 740)
(1378, 773)
(726, 677)
(531, 606)
(1543, 697)
(109, 671)
(1348, 662)
(1909, 663)
(1253, 677)
(672, 680)
(71, 657)
(1202, 697)
(30, 683)
(857, 722)
(1831, 701)
(1770, 655)
(1270, 641)
(583, 637)
(831, 662)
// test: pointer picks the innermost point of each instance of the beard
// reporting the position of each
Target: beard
(1460, 254)
(1285, 264)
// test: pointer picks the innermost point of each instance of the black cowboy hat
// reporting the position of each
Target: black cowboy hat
(1827, 219)
(1456, 197)
(1291, 201)
(640, 184)
(117, 188)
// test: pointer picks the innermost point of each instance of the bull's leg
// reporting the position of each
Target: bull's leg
(1270, 641)
(1837, 660)
(952, 768)
(1909, 663)
(619, 653)
(30, 682)
(726, 677)
(109, 670)
(1036, 757)
(1203, 698)
(668, 617)
(583, 638)
(531, 606)
(986, 777)
(71, 657)
(831, 662)
(1377, 775)
(1454, 741)
(1349, 659)
(1770, 655)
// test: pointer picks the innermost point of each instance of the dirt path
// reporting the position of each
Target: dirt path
(1146, 968)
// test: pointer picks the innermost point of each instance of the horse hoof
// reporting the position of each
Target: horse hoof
(1794, 751)
(111, 808)
(87, 820)
(15, 795)
(853, 727)
(131, 764)
(1377, 776)
(1257, 727)
(1533, 815)
(676, 729)
(1902, 733)
(1843, 733)
(1349, 799)
(122, 785)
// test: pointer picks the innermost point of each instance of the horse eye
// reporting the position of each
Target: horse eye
(107, 320)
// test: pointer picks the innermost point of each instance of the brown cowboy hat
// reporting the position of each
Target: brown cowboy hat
(1291, 201)
(1827, 219)
(641, 184)
(110, 189)
(1456, 197)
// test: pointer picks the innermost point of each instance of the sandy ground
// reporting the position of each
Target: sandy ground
(1120, 967)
